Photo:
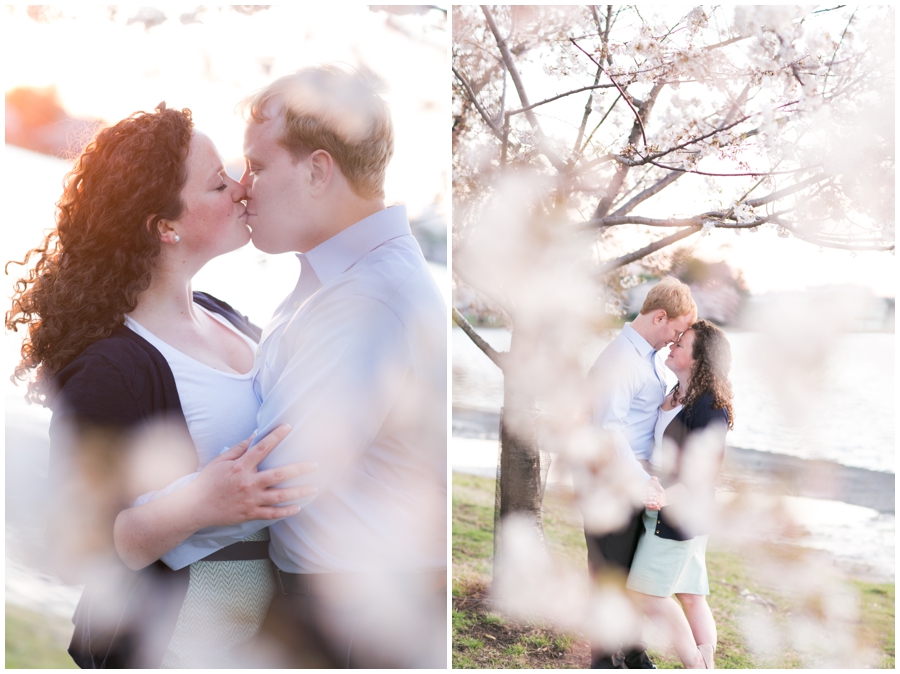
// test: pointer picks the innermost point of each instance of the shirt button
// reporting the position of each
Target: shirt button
(259, 351)
(296, 305)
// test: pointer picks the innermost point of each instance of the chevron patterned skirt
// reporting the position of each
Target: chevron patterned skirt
(225, 605)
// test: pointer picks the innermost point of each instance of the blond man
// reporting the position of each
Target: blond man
(629, 385)
(355, 361)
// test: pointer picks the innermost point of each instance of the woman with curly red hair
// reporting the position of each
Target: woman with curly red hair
(690, 435)
(118, 341)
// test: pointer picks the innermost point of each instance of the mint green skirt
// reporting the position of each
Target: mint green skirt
(662, 567)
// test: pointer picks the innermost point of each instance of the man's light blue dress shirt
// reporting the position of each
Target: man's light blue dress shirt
(629, 385)
(355, 359)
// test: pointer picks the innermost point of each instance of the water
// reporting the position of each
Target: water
(852, 423)
(851, 419)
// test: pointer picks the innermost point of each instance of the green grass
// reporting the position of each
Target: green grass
(877, 628)
(36, 641)
(504, 643)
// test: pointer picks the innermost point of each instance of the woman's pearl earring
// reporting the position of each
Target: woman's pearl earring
(176, 238)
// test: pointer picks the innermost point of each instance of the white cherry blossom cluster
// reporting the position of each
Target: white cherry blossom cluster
(744, 213)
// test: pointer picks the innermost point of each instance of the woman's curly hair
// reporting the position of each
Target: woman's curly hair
(712, 356)
(100, 257)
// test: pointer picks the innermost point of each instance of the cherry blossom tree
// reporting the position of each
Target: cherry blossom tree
(588, 138)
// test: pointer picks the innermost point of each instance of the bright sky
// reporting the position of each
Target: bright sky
(106, 68)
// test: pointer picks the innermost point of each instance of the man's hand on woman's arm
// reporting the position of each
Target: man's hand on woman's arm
(229, 490)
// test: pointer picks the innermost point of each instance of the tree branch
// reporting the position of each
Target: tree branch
(604, 37)
(471, 94)
(618, 179)
(752, 174)
(836, 49)
(602, 119)
(719, 45)
(587, 112)
(657, 155)
(826, 242)
(637, 115)
(657, 187)
(796, 187)
(484, 296)
(555, 98)
(717, 218)
(612, 221)
(498, 358)
(520, 89)
(612, 265)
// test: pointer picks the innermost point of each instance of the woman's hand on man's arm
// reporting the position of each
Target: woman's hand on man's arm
(229, 490)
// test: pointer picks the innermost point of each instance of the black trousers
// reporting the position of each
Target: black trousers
(616, 549)
(613, 551)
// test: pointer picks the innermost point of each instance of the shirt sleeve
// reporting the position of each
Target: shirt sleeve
(616, 392)
(346, 367)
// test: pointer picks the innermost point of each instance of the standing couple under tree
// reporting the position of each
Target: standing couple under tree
(319, 538)
(665, 438)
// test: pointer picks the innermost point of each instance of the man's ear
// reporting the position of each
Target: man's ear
(660, 316)
(321, 169)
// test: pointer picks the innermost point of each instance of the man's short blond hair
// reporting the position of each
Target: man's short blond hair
(338, 110)
(672, 296)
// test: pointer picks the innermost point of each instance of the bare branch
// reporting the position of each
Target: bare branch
(618, 179)
(587, 109)
(471, 94)
(486, 297)
(719, 175)
(828, 242)
(497, 357)
(830, 9)
(556, 98)
(612, 265)
(603, 119)
(836, 49)
(637, 115)
(657, 187)
(796, 187)
(504, 151)
(719, 45)
(716, 218)
(596, 161)
(610, 221)
(657, 155)
(520, 89)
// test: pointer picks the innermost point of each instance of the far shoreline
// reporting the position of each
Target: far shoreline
(792, 475)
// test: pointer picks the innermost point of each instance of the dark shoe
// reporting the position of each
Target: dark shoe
(608, 662)
(638, 660)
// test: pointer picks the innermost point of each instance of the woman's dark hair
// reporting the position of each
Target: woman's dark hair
(712, 356)
(101, 255)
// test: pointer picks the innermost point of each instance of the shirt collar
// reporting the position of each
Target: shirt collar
(336, 255)
(642, 345)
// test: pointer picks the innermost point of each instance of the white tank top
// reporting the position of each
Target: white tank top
(219, 407)
(663, 418)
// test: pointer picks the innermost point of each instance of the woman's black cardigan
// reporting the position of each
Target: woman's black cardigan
(689, 420)
(120, 383)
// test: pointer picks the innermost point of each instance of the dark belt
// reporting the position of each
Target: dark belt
(350, 584)
(239, 552)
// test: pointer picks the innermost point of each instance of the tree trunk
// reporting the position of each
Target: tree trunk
(519, 483)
